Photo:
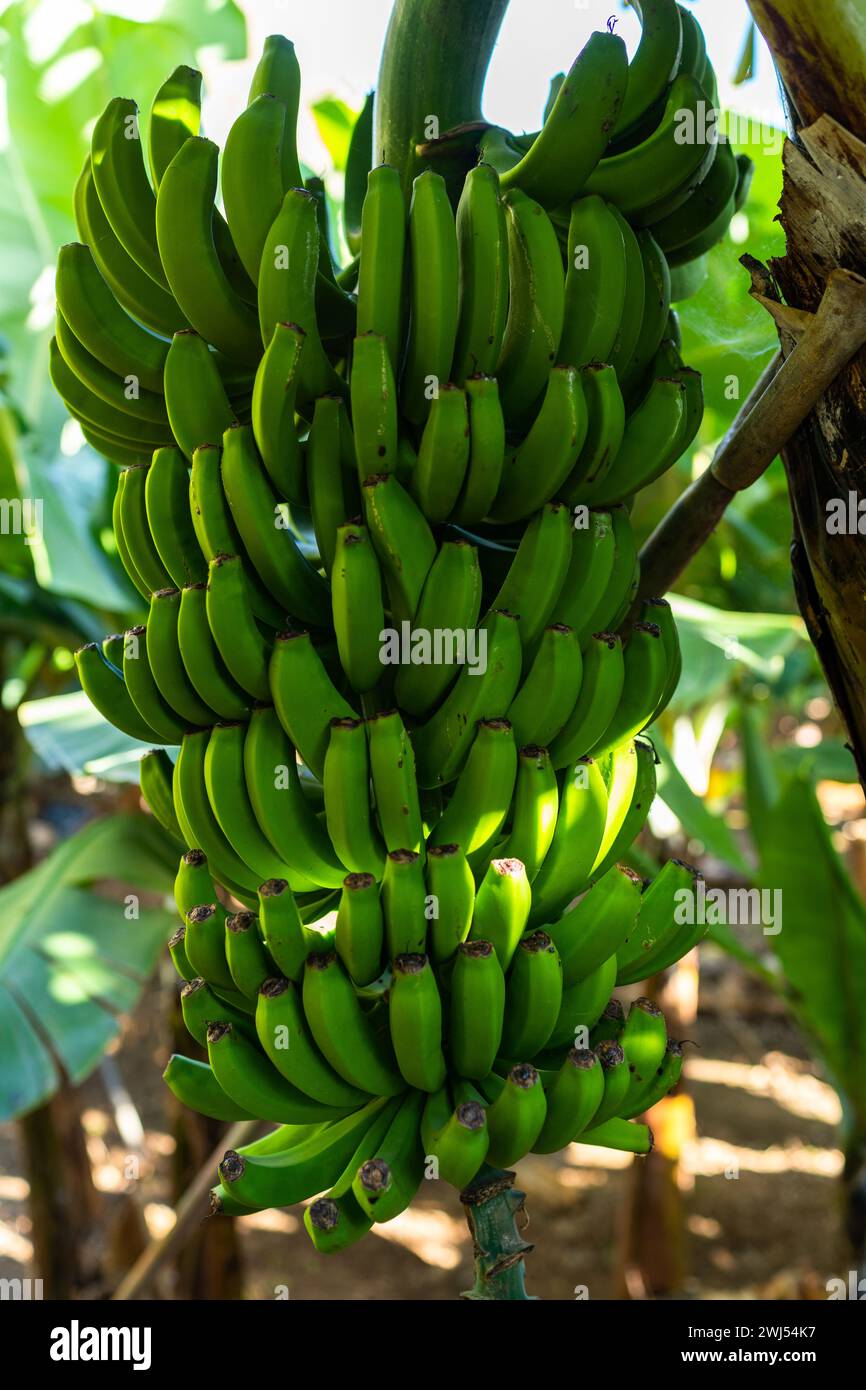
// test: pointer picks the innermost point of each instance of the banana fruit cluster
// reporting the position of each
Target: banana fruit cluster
(403, 911)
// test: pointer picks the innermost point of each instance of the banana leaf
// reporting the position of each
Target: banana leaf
(72, 959)
(69, 735)
(822, 944)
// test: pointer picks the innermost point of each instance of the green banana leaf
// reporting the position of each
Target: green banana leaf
(335, 122)
(73, 960)
(718, 646)
(693, 814)
(822, 944)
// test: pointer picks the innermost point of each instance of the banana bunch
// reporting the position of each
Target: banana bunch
(407, 771)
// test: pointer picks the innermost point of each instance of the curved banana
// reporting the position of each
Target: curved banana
(477, 1008)
(273, 411)
(395, 788)
(305, 698)
(600, 692)
(244, 650)
(486, 450)
(449, 605)
(251, 177)
(645, 677)
(356, 599)
(246, 1075)
(166, 500)
(580, 828)
(536, 307)
(502, 908)
(533, 996)
(482, 246)
(348, 814)
(124, 189)
(443, 455)
(516, 1117)
(595, 283)
(101, 325)
(205, 669)
(537, 572)
(185, 222)
(402, 539)
(433, 296)
(343, 1032)
(381, 291)
(286, 1040)
(572, 1100)
(199, 410)
(279, 73)
(542, 463)
(550, 687)
(655, 64)
(166, 662)
(481, 797)
(404, 903)
(105, 689)
(196, 1087)
(360, 930)
(451, 893)
(155, 772)
(374, 406)
(578, 128)
(143, 690)
(592, 931)
(415, 1020)
(175, 115)
(533, 811)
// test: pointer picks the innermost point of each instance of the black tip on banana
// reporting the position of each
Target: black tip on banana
(231, 1166)
(609, 1053)
(471, 1115)
(375, 1177)
(582, 1057)
(324, 1214)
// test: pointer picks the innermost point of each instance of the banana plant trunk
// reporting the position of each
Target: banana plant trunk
(820, 51)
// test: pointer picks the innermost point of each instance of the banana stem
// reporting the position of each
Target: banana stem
(492, 1206)
(431, 75)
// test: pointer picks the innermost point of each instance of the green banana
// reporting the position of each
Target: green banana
(550, 688)
(477, 1008)
(175, 115)
(381, 290)
(281, 809)
(137, 539)
(610, 1024)
(404, 903)
(326, 481)
(143, 690)
(590, 567)
(92, 411)
(374, 406)
(287, 289)
(226, 790)
(434, 281)
(304, 697)
(193, 883)
(631, 322)
(646, 673)
(486, 450)
(605, 429)
(275, 392)
(392, 765)
(166, 496)
(155, 775)
(105, 688)
(502, 908)
(194, 1085)
(166, 662)
(638, 809)
(600, 694)
(286, 938)
(450, 603)
(536, 307)
(280, 1179)
(200, 1005)
(203, 664)
(443, 455)
(659, 940)
(655, 64)
(595, 283)
(185, 225)
(415, 1020)
(216, 531)
(278, 72)
(537, 573)
(199, 823)
(572, 1100)
(481, 796)
(650, 444)
(618, 597)
(533, 996)
(482, 244)
(198, 408)
(643, 1040)
(346, 780)
(276, 555)
(119, 394)
(578, 127)
(451, 889)
(542, 463)
(592, 931)
(533, 811)
(460, 1140)
(248, 962)
(251, 177)
(343, 1032)
(385, 1185)
(516, 1117)
(101, 325)
(402, 540)
(617, 1133)
(358, 611)
(132, 287)
(634, 178)
(580, 828)
(285, 1038)
(617, 1080)
(335, 1220)
(582, 1007)
(360, 930)
(244, 650)
(124, 189)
